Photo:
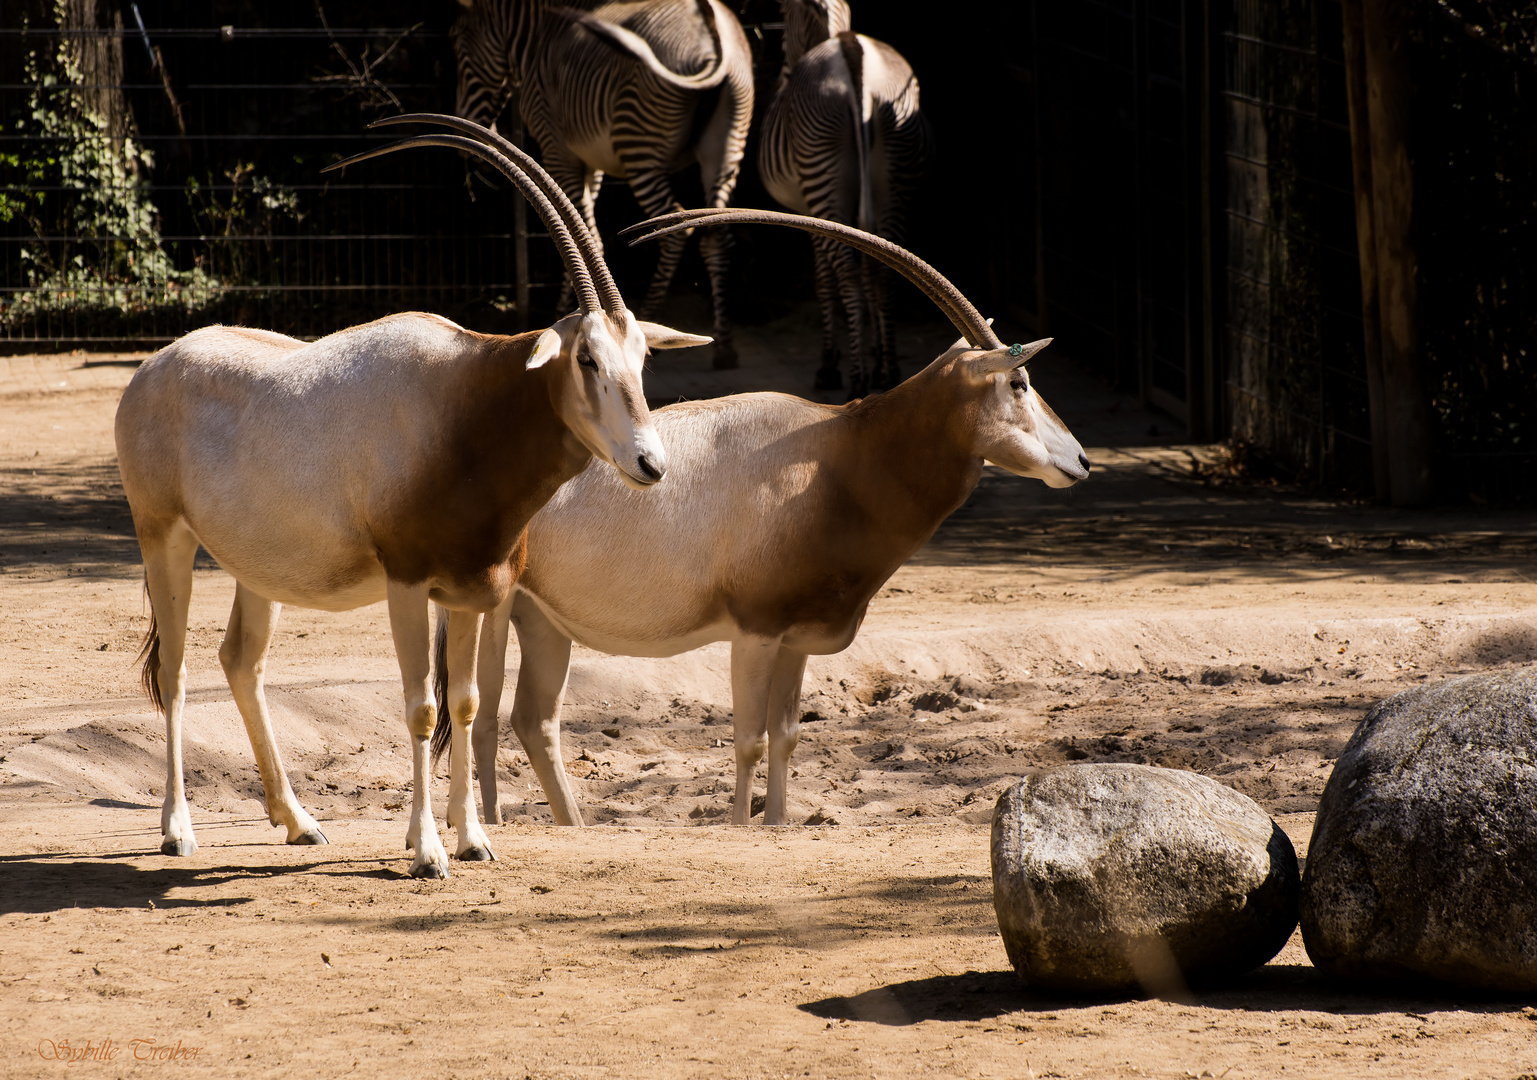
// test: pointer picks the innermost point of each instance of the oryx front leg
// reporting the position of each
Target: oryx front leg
(463, 640)
(244, 657)
(168, 576)
(408, 625)
(752, 671)
(784, 729)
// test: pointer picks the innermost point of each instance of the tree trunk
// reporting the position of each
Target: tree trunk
(1407, 404)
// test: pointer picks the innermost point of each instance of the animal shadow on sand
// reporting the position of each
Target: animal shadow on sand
(975, 996)
(35, 884)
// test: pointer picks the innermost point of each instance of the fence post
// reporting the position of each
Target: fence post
(1366, 245)
(1389, 90)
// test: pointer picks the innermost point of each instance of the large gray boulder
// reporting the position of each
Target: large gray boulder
(1424, 852)
(1110, 877)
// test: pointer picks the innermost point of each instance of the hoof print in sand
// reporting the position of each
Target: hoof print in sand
(1423, 860)
(1110, 878)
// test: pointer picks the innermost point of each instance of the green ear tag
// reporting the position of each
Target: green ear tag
(1015, 350)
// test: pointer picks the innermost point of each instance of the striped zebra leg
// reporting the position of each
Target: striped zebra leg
(719, 150)
(715, 246)
(845, 262)
(576, 180)
(653, 191)
(878, 281)
(828, 376)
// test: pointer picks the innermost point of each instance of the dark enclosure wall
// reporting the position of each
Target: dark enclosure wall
(1163, 185)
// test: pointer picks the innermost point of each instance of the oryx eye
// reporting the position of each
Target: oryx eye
(585, 359)
(1018, 383)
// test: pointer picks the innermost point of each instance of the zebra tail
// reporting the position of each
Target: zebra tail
(854, 60)
(628, 41)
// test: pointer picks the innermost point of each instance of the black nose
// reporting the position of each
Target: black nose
(648, 470)
(1083, 459)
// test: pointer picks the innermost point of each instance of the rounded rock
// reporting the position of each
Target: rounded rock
(1114, 877)
(1423, 860)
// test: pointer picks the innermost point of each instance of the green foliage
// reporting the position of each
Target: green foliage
(232, 219)
(80, 189)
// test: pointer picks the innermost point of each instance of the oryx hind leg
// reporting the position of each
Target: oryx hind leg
(752, 672)
(542, 673)
(485, 731)
(408, 625)
(463, 641)
(168, 560)
(784, 728)
(244, 657)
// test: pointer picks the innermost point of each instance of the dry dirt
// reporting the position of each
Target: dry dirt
(1148, 615)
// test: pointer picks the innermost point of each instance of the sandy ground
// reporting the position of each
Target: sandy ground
(1156, 614)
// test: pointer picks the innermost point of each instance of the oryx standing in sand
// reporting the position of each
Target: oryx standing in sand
(780, 519)
(398, 461)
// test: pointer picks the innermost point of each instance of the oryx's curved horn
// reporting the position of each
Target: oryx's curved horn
(591, 252)
(570, 252)
(935, 285)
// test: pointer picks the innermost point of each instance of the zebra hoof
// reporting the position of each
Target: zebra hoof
(177, 847)
(314, 836)
(725, 356)
(829, 378)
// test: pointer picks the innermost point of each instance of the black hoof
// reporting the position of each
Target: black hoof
(477, 854)
(314, 836)
(177, 847)
(429, 870)
(829, 378)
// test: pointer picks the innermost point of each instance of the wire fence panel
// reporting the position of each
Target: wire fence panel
(169, 177)
(1296, 368)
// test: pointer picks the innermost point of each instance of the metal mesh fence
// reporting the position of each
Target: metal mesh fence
(166, 177)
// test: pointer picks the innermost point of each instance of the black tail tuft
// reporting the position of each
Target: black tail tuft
(149, 656)
(445, 729)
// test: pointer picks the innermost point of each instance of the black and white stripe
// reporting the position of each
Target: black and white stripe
(844, 140)
(615, 88)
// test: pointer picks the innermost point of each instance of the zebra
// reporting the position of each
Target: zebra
(843, 139)
(633, 90)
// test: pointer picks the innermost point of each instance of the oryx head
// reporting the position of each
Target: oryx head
(1011, 425)
(598, 389)
(1014, 428)
(594, 357)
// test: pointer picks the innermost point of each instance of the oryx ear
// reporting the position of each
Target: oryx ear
(664, 337)
(546, 349)
(995, 360)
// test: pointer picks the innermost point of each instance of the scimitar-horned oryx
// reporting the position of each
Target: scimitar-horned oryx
(843, 139)
(637, 90)
(779, 521)
(395, 461)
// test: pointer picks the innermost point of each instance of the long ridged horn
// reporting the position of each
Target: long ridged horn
(570, 252)
(934, 285)
(591, 252)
